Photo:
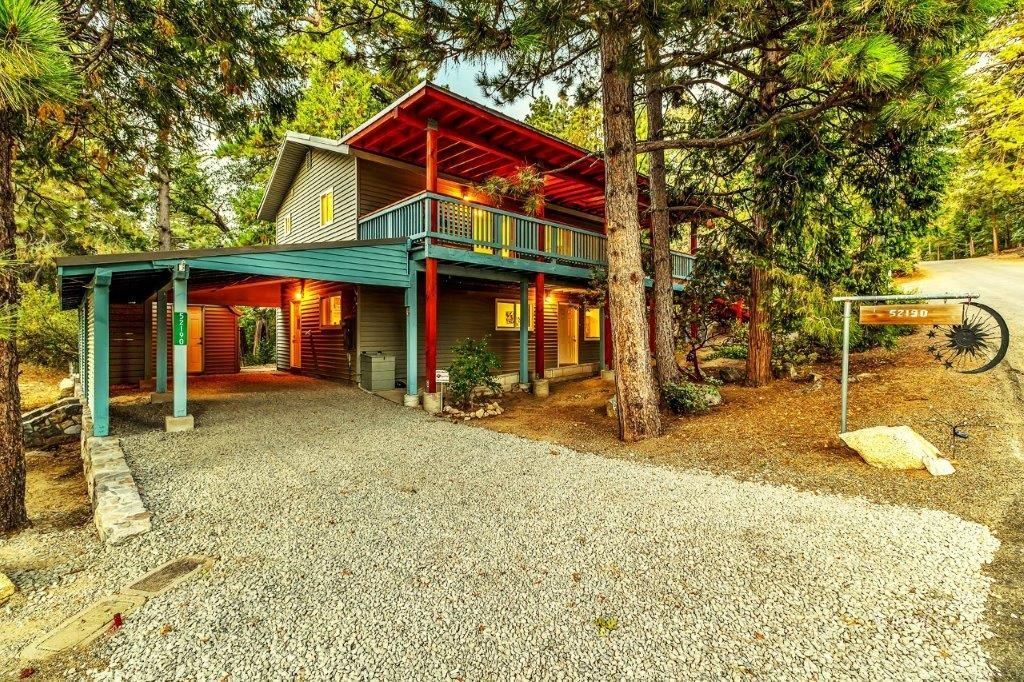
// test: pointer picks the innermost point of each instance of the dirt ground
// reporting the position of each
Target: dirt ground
(38, 385)
(787, 434)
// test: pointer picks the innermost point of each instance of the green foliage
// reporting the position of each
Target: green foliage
(732, 351)
(688, 398)
(263, 322)
(473, 367)
(580, 124)
(46, 335)
(35, 67)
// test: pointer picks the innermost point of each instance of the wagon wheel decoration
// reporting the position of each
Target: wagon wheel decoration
(975, 345)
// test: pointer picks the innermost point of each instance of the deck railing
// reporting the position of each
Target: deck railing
(489, 230)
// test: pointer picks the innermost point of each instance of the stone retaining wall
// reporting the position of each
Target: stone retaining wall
(118, 511)
(59, 422)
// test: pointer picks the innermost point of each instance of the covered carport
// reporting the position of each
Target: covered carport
(248, 276)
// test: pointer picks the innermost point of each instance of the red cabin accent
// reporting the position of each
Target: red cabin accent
(538, 324)
(430, 359)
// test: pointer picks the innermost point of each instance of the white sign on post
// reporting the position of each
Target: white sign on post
(441, 376)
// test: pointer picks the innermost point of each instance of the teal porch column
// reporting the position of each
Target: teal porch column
(99, 387)
(524, 332)
(181, 420)
(161, 341)
(412, 397)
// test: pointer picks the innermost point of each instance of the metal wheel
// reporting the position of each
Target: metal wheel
(975, 345)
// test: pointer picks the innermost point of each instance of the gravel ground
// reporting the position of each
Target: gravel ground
(359, 539)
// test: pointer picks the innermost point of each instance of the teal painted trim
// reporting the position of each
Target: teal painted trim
(100, 403)
(83, 348)
(477, 273)
(601, 339)
(181, 351)
(73, 270)
(524, 331)
(411, 335)
(514, 264)
(161, 341)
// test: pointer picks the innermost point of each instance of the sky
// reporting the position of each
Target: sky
(461, 78)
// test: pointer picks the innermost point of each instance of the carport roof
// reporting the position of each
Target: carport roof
(137, 276)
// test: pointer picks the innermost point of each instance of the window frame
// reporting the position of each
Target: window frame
(587, 309)
(329, 192)
(287, 224)
(341, 311)
(530, 320)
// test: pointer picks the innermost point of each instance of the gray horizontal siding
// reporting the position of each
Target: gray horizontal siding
(320, 171)
(381, 185)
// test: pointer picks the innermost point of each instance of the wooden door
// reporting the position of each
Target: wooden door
(568, 334)
(295, 334)
(195, 339)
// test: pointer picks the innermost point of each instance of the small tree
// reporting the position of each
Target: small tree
(472, 368)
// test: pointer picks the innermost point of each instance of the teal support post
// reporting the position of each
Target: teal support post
(411, 338)
(161, 341)
(524, 332)
(602, 341)
(100, 399)
(181, 420)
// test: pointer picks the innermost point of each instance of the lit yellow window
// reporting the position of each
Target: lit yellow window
(330, 311)
(327, 207)
(506, 315)
(592, 324)
(286, 224)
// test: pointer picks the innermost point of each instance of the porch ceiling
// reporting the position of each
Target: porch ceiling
(137, 276)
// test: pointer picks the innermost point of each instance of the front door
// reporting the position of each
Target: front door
(295, 335)
(195, 339)
(568, 334)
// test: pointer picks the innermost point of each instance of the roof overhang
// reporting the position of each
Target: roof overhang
(290, 156)
(138, 276)
(477, 142)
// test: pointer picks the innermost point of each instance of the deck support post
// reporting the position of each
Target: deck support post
(161, 341)
(538, 325)
(524, 332)
(430, 359)
(99, 387)
(180, 420)
(412, 397)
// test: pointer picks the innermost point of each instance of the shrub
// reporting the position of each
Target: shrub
(472, 368)
(731, 351)
(689, 398)
(47, 335)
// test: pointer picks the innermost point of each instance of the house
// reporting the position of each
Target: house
(385, 243)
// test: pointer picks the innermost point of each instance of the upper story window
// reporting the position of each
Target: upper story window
(591, 324)
(327, 207)
(330, 311)
(286, 224)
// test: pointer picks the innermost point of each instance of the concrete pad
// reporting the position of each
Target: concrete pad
(541, 388)
(411, 400)
(176, 424)
(608, 375)
(166, 576)
(432, 402)
(160, 398)
(83, 627)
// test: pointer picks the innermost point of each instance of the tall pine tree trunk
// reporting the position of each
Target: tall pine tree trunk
(12, 453)
(163, 207)
(664, 325)
(636, 392)
(759, 345)
(995, 234)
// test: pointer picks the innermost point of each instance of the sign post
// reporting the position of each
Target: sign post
(906, 313)
(441, 378)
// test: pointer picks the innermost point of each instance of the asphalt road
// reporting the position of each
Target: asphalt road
(998, 281)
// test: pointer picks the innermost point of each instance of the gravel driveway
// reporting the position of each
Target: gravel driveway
(359, 539)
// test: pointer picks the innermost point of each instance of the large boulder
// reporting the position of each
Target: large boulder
(66, 388)
(7, 588)
(896, 447)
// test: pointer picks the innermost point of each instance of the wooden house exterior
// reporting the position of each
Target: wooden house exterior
(384, 243)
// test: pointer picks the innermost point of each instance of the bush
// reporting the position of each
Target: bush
(471, 369)
(731, 351)
(250, 319)
(47, 335)
(688, 398)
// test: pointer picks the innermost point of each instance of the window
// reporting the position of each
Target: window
(286, 224)
(506, 315)
(591, 324)
(327, 207)
(330, 311)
